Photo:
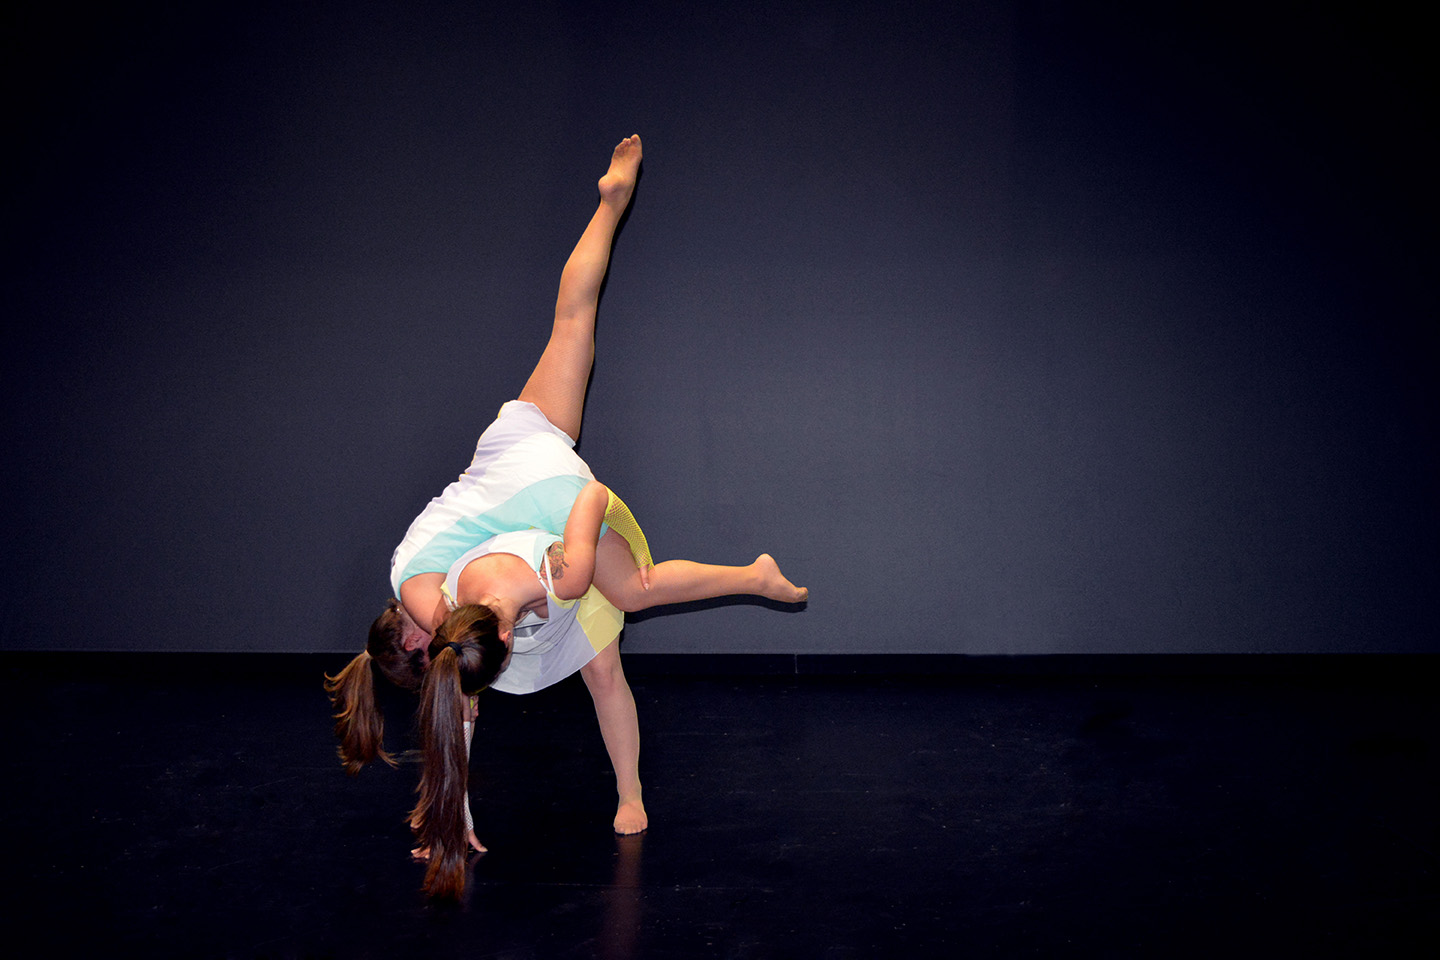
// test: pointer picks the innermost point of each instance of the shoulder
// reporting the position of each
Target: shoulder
(421, 584)
(422, 599)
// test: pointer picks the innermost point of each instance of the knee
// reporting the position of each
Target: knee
(604, 676)
(631, 602)
(627, 595)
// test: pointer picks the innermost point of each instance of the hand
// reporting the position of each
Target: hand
(645, 574)
(423, 853)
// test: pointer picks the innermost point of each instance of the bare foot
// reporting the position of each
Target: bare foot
(619, 181)
(773, 584)
(630, 817)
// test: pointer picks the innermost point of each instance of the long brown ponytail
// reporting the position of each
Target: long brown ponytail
(358, 721)
(465, 655)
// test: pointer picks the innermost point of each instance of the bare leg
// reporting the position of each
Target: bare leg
(557, 385)
(620, 728)
(678, 581)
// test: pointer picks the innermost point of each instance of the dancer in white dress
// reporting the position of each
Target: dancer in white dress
(518, 574)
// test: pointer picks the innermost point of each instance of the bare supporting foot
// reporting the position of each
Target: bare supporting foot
(619, 181)
(630, 817)
(772, 583)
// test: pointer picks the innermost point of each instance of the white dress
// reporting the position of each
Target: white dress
(515, 498)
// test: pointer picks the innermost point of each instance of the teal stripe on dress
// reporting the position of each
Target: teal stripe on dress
(544, 506)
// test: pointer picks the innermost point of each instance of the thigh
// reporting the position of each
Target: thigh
(557, 385)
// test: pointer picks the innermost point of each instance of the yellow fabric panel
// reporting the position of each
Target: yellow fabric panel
(600, 619)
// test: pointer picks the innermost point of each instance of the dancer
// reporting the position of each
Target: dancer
(520, 572)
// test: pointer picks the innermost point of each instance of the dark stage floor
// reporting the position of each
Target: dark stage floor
(192, 806)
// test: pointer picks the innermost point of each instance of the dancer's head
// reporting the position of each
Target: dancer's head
(396, 648)
(472, 632)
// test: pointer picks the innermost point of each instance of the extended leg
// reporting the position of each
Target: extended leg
(679, 581)
(620, 728)
(557, 385)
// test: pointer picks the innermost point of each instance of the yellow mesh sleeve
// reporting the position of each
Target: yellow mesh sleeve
(623, 522)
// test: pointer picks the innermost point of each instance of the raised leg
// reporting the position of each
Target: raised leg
(679, 581)
(620, 728)
(557, 385)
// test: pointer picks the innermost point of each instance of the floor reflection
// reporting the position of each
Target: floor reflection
(622, 907)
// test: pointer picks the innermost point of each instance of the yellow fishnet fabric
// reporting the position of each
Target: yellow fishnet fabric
(623, 522)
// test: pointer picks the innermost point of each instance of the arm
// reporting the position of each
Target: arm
(623, 522)
(469, 820)
(572, 562)
(423, 601)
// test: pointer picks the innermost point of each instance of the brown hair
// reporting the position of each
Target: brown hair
(465, 655)
(358, 722)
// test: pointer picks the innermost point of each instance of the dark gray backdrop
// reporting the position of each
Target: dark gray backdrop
(1007, 327)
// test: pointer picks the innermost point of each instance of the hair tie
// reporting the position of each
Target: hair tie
(455, 648)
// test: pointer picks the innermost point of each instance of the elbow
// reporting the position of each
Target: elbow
(572, 589)
(577, 580)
